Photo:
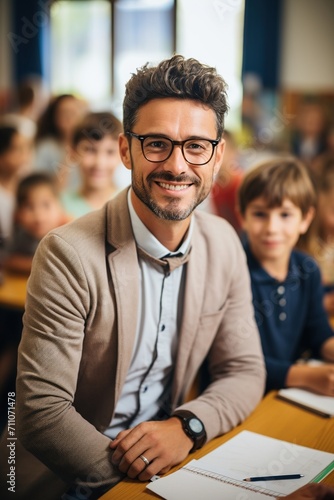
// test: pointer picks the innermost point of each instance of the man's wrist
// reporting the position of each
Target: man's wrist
(193, 427)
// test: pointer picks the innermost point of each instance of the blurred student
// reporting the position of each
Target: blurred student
(54, 134)
(328, 155)
(319, 240)
(28, 102)
(15, 155)
(276, 201)
(225, 187)
(308, 138)
(95, 150)
(38, 210)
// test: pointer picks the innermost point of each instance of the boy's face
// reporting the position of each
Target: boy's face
(273, 232)
(41, 212)
(97, 161)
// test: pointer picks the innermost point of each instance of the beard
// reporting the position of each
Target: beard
(172, 210)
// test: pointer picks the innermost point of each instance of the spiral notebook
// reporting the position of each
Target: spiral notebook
(219, 474)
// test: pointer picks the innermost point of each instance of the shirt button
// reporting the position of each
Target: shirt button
(281, 290)
(282, 316)
(162, 327)
(145, 388)
(282, 301)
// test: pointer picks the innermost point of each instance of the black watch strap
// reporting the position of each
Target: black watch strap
(193, 427)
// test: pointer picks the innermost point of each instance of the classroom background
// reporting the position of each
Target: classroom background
(62, 60)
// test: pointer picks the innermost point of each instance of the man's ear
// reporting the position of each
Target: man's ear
(124, 150)
(307, 219)
(220, 148)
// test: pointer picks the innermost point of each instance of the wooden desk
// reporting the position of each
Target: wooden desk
(13, 291)
(273, 418)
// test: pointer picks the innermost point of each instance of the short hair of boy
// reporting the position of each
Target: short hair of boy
(176, 77)
(276, 180)
(96, 126)
(32, 181)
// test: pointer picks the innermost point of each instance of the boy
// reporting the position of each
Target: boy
(95, 149)
(38, 210)
(276, 202)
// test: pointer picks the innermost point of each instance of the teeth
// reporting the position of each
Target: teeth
(174, 187)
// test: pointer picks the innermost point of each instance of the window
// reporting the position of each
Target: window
(97, 44)
(86, 36)
(81, 49)
(143, 32)
(212, 32)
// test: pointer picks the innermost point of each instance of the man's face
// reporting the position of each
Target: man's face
(173, 188)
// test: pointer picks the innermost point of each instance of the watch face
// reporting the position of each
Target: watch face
(195, 425)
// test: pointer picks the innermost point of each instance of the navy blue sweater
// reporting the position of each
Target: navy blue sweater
(289, 314)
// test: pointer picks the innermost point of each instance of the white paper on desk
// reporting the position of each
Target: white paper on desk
(316, 402)
(184, 485)
(245, 455)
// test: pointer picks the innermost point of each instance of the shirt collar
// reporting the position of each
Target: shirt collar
(148, 242)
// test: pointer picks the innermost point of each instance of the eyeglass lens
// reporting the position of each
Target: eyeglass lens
(195, 151)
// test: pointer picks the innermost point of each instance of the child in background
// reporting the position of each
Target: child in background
(308, 139)
(15, 156)
(53, 139)
(95, 150)
(276, 202)
(319, 240)
(38, 210)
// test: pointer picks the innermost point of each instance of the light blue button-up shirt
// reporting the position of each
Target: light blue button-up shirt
(148, 381)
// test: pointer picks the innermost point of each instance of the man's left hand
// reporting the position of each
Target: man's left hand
(164, 444)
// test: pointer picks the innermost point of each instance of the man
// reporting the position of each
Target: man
(125, 303)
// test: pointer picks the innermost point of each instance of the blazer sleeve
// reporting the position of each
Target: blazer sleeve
(235, 359)
(49, 356)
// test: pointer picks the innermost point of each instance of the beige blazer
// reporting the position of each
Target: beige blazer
(79, 331)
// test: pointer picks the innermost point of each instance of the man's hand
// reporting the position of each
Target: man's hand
(164, 444)
(312, 492)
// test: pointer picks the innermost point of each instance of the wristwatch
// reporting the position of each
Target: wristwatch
(193, 427)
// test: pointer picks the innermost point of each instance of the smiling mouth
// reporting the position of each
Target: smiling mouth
(173, 187)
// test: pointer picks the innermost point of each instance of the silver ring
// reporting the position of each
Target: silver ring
(144, 459)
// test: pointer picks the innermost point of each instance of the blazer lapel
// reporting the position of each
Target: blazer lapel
(124, 271)
(193, 300)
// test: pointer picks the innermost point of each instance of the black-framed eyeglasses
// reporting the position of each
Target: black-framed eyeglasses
(158, 148)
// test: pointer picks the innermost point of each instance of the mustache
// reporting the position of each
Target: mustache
(168, 177)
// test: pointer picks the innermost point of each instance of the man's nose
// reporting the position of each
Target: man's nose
(176, 163)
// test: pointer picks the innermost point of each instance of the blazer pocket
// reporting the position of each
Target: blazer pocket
(208, 317)
(209, 323)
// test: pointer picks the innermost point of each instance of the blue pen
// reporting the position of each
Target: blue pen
(273, 478)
